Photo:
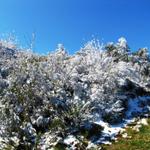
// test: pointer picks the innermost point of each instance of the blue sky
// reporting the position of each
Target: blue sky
(74, 22)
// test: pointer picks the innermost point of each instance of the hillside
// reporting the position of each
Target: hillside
(62, 101)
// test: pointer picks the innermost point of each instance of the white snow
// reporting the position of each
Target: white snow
(91, 146)
(71, 141)
(122, 42)
(143, 121)
(110, 131)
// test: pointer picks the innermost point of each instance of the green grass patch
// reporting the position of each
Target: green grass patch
(139, 141)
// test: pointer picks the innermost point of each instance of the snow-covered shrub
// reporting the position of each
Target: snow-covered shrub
(44, 95)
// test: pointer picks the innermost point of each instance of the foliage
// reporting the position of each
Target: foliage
(40, 95)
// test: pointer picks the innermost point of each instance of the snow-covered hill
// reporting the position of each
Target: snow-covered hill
(63, 100)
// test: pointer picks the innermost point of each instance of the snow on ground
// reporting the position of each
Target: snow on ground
(135, 107)
(70, 139)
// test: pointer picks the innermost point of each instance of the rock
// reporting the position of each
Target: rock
(124, 135)
(143, 121)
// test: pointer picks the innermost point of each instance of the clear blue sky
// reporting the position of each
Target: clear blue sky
(74, 22)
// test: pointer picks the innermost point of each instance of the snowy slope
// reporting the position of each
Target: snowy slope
(65, 100)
